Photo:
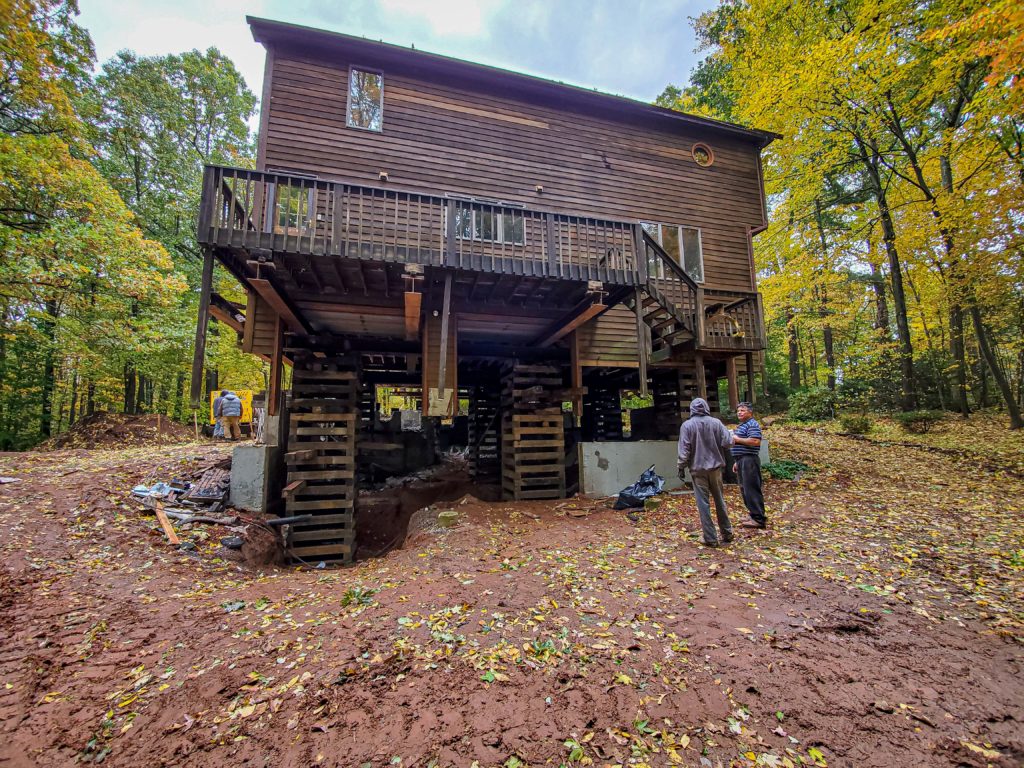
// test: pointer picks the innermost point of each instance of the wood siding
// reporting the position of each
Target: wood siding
(457, 138)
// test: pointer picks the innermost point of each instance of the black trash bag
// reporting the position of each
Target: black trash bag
(649, 484)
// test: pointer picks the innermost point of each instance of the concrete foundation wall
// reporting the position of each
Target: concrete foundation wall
(608, 467)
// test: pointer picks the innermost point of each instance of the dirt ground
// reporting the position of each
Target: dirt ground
(878, 622)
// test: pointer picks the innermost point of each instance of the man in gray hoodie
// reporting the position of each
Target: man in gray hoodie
(703, 447)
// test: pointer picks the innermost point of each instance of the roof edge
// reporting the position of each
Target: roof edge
(268, 32)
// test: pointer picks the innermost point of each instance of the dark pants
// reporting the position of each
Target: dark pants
(749, 470)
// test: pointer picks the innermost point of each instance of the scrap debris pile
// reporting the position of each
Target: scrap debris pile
(203, 501)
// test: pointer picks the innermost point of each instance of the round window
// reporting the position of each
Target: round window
(702, 155)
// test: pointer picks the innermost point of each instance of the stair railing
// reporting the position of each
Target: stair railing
(671, 283)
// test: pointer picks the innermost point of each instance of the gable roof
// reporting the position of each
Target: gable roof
(271, 33)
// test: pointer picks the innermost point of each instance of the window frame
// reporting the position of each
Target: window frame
(682, 256)
(348, 98)
(476, 225)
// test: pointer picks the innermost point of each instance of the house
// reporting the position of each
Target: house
(469, 233)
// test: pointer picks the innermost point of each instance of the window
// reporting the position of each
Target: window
(293, 208)
(489, 226)
(682, 244)
(365, 100)
(703, 155)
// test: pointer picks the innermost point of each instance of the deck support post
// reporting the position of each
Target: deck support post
(446, 308)
(641, 342)
(749, 359)
(576, 378)
(730, 375)
(276, 362)
(199, 351)
(702, 382)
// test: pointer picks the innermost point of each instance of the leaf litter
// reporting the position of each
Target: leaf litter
(528, 637)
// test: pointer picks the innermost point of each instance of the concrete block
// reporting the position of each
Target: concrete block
(608, 467)
(254, 481)
(448, 519)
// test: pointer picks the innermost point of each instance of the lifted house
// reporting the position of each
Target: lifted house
(474, 234)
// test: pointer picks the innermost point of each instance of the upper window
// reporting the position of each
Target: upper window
(682, 244)
(365, 100)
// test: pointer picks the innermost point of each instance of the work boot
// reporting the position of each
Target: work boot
(753, 524)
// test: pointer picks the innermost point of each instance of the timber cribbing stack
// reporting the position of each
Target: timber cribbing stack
(533, 441)
(321, 459)
(484, 421)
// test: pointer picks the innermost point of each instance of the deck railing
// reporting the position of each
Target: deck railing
(298, 214)
(291, 213)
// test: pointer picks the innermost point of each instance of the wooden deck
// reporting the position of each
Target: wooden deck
(288, 215)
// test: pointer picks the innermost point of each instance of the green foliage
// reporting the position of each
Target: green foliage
(895, 191)
(919, 422)
(786, 469)
(856, 423)
(815, 404)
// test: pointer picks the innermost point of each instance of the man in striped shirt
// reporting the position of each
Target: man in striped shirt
(746, 449)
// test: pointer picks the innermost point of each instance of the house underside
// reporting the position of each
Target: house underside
(535, 321)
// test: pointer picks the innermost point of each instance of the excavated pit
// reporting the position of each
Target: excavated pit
(383, 513)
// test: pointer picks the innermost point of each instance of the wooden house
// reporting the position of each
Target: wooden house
(483, 235)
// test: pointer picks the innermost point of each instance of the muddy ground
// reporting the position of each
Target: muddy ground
(877, 623)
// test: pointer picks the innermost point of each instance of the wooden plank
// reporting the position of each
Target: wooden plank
(165, 523)
(293, 487)
(413, 302)
(337, 474)
(323, 550)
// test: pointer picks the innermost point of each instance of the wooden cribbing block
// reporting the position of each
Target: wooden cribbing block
(292, 488)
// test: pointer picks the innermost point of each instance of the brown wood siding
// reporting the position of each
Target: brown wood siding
(610, 339)
(451, 138)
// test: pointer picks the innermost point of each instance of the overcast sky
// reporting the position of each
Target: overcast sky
(632, 49)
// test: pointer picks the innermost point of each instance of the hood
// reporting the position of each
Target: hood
(233, 396)
(699, 407)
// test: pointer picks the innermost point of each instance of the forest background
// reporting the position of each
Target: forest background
(891, 268)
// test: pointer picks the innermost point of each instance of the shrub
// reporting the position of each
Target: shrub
(815, 404)
(919, 422)
(856, 423)
(786, 469)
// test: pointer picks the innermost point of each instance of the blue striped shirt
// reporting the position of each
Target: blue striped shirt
(749, 428)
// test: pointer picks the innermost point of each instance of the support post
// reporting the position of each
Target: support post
(576, 377)
(702, 382)
(730, 375)
(641, 341)
(445, 312)
(750, 378)
(274, 390)
(199, 352)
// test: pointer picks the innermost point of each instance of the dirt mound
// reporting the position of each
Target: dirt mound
(118, 430)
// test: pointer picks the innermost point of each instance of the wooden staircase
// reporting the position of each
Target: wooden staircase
(321, 460)
(670, 330)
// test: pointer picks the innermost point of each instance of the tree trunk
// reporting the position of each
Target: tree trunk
(73, 413)
(870, 160)
(826, 328)
(794, 352)
(90, 399)
(881, 305)
(993, 366)
(50, 332)
(956, 348)
(179, 396)
(129, 387)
